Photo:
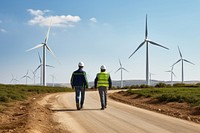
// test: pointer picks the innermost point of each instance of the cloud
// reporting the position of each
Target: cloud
(3, 30)
(94, 20)
(40, 18)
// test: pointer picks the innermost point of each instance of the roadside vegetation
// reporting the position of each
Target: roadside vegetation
(11, 93)
(180, 92)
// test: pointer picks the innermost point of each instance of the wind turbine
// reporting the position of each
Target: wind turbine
(147, 41)
(150, 75)
(14, 80)
(121, 68)
(26, 76)
(53, 78)
(45, 46)
(172, 74)
(182, 60)
(40, 66)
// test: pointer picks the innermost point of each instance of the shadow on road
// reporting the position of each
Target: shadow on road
(67, 110)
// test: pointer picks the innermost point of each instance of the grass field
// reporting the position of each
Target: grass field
(190, 95)
(9, 93)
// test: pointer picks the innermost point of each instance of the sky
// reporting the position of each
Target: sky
(99, 32)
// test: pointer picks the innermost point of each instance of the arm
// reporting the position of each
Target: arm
(110, 82)
(86, 82)
(71, 81)
(95, 82)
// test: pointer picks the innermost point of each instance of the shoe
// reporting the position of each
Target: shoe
(77, 106)
(102, 108)
(81, 106)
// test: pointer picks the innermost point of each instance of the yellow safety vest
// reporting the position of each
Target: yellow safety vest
(103, 79)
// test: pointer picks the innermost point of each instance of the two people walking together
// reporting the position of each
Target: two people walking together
(79, 82)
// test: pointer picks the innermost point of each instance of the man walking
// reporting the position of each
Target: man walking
(79, 83)
(103, 83)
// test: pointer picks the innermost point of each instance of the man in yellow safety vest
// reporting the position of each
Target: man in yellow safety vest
(103, 83)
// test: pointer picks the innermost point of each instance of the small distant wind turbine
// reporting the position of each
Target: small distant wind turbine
(53, 79)
(14, 80)
(45, 46)
(150, 75)
(172, 74)
(146, 40)
(40, 66)
(182, 60)
(121, 68)
(26, 76)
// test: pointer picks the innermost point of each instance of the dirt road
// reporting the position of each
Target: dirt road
(117, 118)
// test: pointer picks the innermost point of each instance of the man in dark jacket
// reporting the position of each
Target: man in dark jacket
(79, 83)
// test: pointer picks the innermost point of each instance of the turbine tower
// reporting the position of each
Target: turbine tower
(147, 41)
(121, 68)
(45, 46)
(182, 60)
(172, 74)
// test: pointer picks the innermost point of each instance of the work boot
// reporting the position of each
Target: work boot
(81, 106)
(102, 108)
(77, 106)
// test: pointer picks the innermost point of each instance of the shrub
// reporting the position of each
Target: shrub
(161, 85)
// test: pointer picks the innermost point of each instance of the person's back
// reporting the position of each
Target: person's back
(103, 82)
(79, 79)
(79, 83)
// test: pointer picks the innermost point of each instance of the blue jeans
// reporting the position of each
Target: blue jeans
(103, 95)
(80, 95)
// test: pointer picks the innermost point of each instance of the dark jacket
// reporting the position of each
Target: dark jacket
(79, 79)
(109, 81)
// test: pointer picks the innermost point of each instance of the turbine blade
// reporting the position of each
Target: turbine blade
(53, 54)
(120, 63)
(37, 68)
(47, 35)
(168, 71)
(23, 77)
(118, 69)
(137, 48)
(40, 58)
(125, 69)
(188, 61)
(157, 44)
(38, 46)
(173, 74)
(50, 66)
(176, 62)
(180, 52)
(146, 29)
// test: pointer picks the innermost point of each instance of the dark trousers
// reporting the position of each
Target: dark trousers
(80, 95)
(103, 95)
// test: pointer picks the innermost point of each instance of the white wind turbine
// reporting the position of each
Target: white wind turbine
(172, 74)
(45, 46)
(14, 80)
(40, 66)
(150, 75)
(26, 76)
(182, 60)
(147, 41)
(53, 78)
(121, 68)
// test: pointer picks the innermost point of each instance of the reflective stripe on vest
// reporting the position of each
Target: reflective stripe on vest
(103, 79)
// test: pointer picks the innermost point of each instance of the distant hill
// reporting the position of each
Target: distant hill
(117, 83)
